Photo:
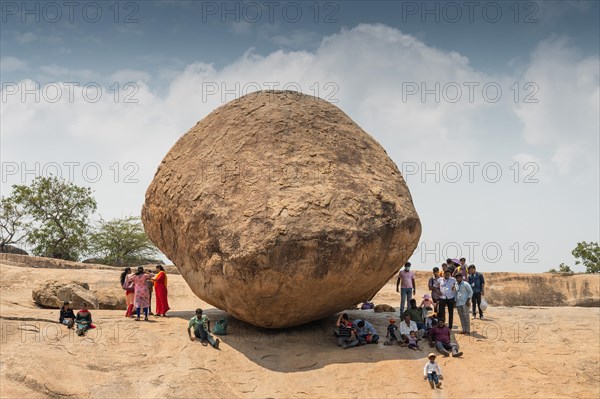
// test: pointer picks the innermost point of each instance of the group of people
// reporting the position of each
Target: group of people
(83, 319)
(409, 333)
(456, 285)
(138, 288)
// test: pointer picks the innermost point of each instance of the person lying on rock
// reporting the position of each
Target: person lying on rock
(346, 335)
(67, 316)
(365, 332)
(200, 324)
(83, 320)
(440, 334)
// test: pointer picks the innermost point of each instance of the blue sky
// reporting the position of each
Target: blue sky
(421, 77)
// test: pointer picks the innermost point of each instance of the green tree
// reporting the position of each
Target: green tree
(60, 212)
(122, 242)
(13, 224)
(588, 254)
(564, 268)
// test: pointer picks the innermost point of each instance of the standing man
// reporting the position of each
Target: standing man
(477, 283)
(408, 288)
(447, 299)
(464, 292)
(461, 268)
(434, 287)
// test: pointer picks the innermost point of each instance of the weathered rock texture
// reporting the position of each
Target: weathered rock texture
(52, 294)
(278, 208)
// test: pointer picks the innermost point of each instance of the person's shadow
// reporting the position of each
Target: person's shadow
(306, 347)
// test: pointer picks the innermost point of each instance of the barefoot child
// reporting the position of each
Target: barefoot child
(432, 372)
(391, 333)
(413, 341)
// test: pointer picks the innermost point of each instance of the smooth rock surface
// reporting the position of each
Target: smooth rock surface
(279, 209)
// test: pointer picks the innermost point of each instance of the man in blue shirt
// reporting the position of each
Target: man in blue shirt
(464, 292)
(477, 282)
(365, 332)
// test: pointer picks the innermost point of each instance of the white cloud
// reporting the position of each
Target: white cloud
(566, 118)
(365, 71)
(10, 64)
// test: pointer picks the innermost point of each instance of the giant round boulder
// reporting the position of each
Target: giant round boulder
(280, 209)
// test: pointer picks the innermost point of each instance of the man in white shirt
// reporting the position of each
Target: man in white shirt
(448, 297)
(407, 326)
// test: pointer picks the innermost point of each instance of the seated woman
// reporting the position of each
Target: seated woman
(66, 315)
(83, 320)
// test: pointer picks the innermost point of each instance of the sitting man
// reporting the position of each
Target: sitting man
(440, 334)
(365, 332)
(67, 316)
(407, 326)
(346, 335)
(201, 326)
(416, 314)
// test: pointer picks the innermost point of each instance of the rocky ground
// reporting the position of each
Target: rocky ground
(516, 352)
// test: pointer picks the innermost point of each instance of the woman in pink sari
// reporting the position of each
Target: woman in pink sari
(141, 296)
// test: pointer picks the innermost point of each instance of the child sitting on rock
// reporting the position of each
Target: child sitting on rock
(413, 341)
(432, 372)
(391, 333)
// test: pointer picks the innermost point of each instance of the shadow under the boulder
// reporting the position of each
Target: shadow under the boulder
(306, 347)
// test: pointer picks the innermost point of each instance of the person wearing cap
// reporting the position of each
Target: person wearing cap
(440, 335)
(408, 287)
(447, 299)
(464, 292)
(450, 266)
(461, 268)
(432, 372)
(429, 316)
(477, 282)
(392, 334)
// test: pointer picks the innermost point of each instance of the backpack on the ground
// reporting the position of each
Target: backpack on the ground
(220, 327)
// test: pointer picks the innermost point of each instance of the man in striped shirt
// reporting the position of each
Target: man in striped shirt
(346, 336)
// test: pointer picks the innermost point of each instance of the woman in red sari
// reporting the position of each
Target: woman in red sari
(160, 291)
